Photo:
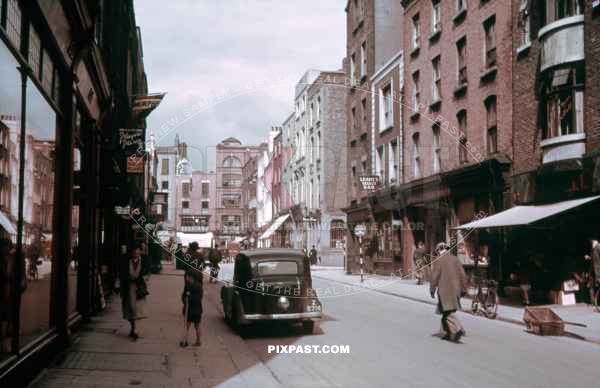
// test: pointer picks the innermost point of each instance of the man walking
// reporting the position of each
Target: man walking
(313, 256)
(594, 282)
(419, 260)
(450, 281)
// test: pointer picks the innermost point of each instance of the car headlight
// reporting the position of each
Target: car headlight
(283, 303)
(313, 306)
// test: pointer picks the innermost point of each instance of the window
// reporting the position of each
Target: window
(185, 189)
(311, 112)
(337, 234)
(386, 108)
(379, 162)
(35, 49)
(353, 113)
(352, 70)
(490, 42)
(461, 48)
(231, 200)
(205, 189)
(393, 162)
(461, 5)
(436, 149)
(363, 104)
(312, 149)
(310, 194)
(47, 72)
(416, 156)
(363, 60)
(232, 180)
(205, 208)
(415, 92)
(13, 22)
(232, 162)
(463, 154)
(563, 96)
(165, 167)
(231, 224)
(491, 125)
(416, 32)
(559, 9)
(318, 146)
(436, 87)
(165, 185)
(436, 16)
(185, 204)
(524, 23)
(318, 110)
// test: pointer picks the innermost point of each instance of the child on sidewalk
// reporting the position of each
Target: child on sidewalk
(192, 304)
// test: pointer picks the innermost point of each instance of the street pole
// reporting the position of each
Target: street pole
(360, 253)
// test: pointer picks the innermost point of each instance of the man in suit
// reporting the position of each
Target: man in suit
(450, 281)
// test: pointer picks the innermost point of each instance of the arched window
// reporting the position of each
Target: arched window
(231, 161)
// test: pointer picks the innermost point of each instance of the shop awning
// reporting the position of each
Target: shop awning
(525, 215)
(204, 240)
(7, 224)
(274, 226)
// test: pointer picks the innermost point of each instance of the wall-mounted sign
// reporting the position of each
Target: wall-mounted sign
(123, 210)
(135, 164)
(369, 182)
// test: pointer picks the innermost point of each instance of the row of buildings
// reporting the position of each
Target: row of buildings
(73, 105)
(464, 109)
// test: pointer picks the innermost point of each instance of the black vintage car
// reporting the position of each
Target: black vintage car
(271, 284)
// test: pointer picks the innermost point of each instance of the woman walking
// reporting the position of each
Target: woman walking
(192, 304)
(133, 290)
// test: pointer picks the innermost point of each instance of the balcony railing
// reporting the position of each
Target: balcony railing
(562, 42)
(194, 229)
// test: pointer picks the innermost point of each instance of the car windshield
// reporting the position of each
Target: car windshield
(277, 267)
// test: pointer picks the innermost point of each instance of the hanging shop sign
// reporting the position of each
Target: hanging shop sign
(135, 164)
(132, 141)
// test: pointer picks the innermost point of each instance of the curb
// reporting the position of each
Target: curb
(429, 302)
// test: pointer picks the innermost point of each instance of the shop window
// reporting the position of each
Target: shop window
(563, 96)
(337, 234)
(489, 27)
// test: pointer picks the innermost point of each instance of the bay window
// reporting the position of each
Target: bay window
(563, 93)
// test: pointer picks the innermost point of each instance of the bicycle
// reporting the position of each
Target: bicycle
(486, 300)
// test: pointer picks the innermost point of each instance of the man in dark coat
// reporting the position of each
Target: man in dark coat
(419, 260)
(449, 280)
(594, 283)
(313, 256)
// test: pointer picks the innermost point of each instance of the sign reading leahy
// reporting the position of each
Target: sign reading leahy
(135, 164)
(369, 182)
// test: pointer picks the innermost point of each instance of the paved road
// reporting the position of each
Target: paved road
(392, 343)
(390, 340)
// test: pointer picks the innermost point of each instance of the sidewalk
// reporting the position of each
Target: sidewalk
(103, 356)
(408, 289)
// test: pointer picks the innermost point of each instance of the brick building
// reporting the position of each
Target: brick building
(231, 156)
(458, 122)
(195, 193)
(360, 63)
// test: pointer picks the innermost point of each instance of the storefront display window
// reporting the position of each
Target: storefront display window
(38, 206)
(10, 108)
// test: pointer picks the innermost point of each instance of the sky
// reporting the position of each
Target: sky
(243, 55)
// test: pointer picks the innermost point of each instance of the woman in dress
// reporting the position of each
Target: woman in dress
(133, 290)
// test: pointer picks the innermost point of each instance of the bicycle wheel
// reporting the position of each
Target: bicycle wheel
(491, 308)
